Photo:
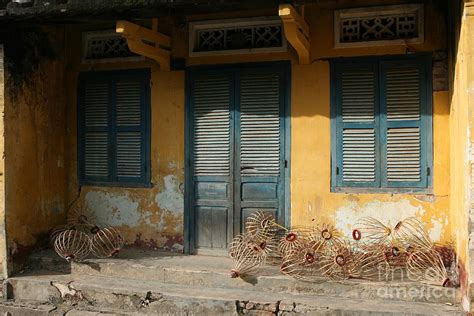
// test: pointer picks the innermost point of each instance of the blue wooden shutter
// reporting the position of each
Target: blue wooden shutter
(355, 158)
(212, 133)
(95, 130)
(260, 142)
(130, 128)
(212, 99)
(406, 123)
(113, 128)
(260, 130)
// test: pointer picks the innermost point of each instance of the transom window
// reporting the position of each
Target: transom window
(381, 124)
(113, 128)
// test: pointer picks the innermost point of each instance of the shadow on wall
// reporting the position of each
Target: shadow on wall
(35, 135)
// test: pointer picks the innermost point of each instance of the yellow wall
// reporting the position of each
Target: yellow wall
(311, 156)
(41, 146)
(148, 217)
(462, 140)
(35, 177)
(154, 217)
(311, 198)
(322, 31)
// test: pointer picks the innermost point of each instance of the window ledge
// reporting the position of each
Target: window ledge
(418, 191)
(117, 184)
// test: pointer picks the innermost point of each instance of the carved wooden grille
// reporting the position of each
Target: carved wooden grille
(396, 24)
(379, 28)
(105, 45)
(236, 35)
(250, 37)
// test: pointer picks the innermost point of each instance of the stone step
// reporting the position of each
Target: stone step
(213, 272)
(26, 309)
(12, 308)
(95, 293)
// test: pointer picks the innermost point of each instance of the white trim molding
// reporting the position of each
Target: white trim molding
(379, 26)
(255, 35)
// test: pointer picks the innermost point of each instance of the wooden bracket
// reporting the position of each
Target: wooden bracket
(296, 31)
(146, 42)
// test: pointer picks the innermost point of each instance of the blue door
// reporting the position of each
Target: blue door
(237, 163)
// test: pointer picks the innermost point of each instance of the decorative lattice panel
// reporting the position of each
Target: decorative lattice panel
(107, 45)
(379, 25)
(236, 36)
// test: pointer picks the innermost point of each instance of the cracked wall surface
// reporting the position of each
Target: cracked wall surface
(311, 196)
(35, 137)
(152, 217)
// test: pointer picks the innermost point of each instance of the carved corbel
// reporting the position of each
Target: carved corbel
(296, 31)
(146, 42)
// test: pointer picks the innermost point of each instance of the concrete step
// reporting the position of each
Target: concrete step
(95, 293)
(26, 309)
(12, 308)
(213, 272)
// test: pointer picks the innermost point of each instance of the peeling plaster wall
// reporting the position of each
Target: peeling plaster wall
(35, 133)
(154, 217)
(311, 199)
(148, 217)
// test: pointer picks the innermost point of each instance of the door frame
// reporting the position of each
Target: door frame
(285, 66)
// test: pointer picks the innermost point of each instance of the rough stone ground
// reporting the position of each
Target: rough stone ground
(163, 284)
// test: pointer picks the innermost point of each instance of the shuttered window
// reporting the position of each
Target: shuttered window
(260, 108)
(113, 128)
(381, 124)
(212, 101)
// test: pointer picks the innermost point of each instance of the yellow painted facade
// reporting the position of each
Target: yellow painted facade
(311, 144)
(148, 217)
(153, 217)
(311, 166)
(34, 149)
(311, 199)
(462, 141)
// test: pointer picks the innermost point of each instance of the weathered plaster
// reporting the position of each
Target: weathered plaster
(388, 212)
(35, 132)
(311, 197)
(158, 217)
(149, 217)
(113, 209)
(171, 198)
(41, 147)
(462, 138)
(137, 214)
(437, 228)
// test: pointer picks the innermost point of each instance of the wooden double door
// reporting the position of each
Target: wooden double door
(237, 131)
